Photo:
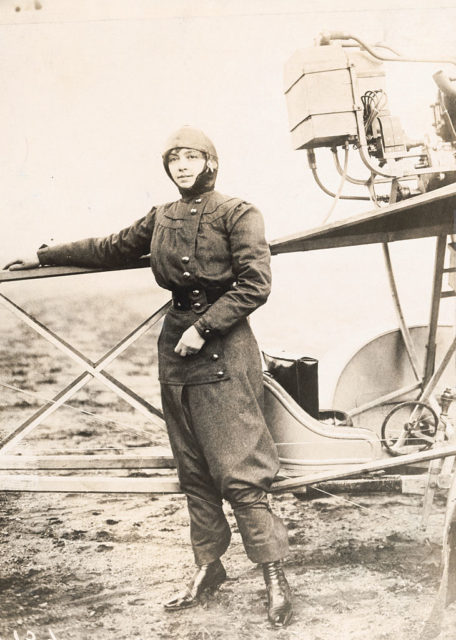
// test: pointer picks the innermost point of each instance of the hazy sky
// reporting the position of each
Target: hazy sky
(91, 89)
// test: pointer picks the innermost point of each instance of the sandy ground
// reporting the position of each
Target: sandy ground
(99, 566)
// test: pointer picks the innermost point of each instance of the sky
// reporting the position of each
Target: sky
(91, 89)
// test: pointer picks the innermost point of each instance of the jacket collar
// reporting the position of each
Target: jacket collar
(207, 202)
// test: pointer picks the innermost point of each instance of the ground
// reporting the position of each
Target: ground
(98, 566)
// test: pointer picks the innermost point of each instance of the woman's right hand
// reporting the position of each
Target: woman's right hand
(23, 262)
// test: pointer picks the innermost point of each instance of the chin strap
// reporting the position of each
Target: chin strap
(205, 181)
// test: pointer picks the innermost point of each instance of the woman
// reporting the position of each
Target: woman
(210, 251)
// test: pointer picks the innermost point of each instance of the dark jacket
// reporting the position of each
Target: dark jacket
(209, 241)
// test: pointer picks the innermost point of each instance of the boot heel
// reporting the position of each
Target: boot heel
(207, 579)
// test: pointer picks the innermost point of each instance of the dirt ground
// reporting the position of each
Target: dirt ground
(99, 566)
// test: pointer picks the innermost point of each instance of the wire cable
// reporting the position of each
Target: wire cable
(94, 416)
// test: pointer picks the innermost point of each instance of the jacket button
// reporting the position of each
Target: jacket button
(193, 211)
(185, 259)
(197, 305)
(198, 200)
(220, 374)
(186, 274)
(195, 293)
(206, 332)
(215, 356)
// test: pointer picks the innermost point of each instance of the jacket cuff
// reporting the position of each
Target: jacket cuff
(203, 329)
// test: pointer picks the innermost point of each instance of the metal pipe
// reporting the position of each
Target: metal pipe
(341, 186)
(313, 167)
(377, 45)
(340, 35)
(340, 171)
(373, 195)
(359, 181)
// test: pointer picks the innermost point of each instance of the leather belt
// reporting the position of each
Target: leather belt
(197, 298)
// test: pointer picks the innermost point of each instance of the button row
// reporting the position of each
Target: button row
(186, 260)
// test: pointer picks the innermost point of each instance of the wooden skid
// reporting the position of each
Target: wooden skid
(290, 484)
(98, 484)
(88, 484)
(69, 462)
(412, 484)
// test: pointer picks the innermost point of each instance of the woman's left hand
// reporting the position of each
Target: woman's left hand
(190, 342)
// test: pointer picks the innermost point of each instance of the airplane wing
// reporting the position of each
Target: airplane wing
(430, 214)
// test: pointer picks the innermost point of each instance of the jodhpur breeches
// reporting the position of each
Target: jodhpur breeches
(223, 450)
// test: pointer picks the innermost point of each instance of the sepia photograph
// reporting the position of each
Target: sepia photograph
(227, 320)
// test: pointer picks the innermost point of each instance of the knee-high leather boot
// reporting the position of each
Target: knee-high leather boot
(206, 579)
(280, 609)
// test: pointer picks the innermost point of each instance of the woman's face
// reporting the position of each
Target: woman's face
(185, 165)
